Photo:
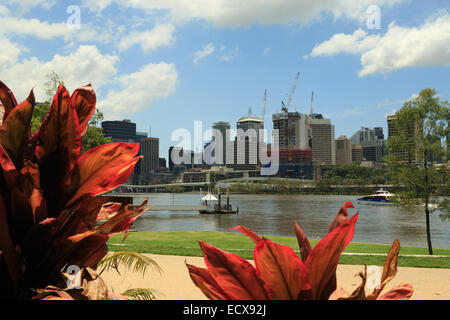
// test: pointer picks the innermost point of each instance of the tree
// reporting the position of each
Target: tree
(94, 134)
(417, 152)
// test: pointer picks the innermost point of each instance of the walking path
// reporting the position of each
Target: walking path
(175, 284)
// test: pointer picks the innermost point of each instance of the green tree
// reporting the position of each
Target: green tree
(94, 135)
(416, 148)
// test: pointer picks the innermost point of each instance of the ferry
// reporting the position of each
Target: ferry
(380, 197)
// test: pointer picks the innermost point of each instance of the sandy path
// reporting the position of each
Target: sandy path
(175, 284)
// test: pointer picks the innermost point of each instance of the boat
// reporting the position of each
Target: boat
(214, 206)
(380, 197)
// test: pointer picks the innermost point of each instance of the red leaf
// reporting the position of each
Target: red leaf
(303, 242)
(402, 291)
(15, 129)
(7, 248)
(247, 232)
(341, 217)
(10, 172)
(84, 100)
(323, 260)
(389, 269)
(57, 151)
(103, 169)
(203, 280)
(7, 100)
(237, 277)
(281, 270)
(123, 220)
(60, 130)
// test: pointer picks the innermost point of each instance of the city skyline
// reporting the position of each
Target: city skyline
(168, 64)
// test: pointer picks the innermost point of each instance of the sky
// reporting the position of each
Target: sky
(165, 64)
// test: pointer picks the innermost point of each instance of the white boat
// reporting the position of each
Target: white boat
(380, 197)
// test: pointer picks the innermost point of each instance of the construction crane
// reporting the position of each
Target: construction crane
(264, 108)
(292, 91)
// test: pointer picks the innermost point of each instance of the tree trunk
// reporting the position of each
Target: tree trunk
(427, 200)
(427, 216)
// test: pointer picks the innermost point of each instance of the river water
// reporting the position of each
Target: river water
(275, 214)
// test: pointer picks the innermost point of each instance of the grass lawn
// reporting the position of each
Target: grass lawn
(184, 243)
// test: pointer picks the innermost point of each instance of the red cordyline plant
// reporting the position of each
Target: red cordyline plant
(280, 274)
(48, 203)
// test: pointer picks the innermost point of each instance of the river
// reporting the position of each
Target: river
(275, 214)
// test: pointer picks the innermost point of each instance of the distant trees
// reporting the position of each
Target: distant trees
(419, 143)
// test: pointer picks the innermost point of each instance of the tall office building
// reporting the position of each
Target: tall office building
(408, 152)
(248, 157)
(120, 131)
(224, 128)
(150, 151)
(357, 153)
(323, 141)
(372, 143)
(379, 133)
(343, 150)
(293, 129)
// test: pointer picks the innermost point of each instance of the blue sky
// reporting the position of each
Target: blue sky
(168, 63)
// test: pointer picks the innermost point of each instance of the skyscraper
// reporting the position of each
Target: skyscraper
(343, 150)
(323, 144)
(120, 131)
(224, 128)
(293, 129)
(150, 151)
(372, 143)
(408, 151)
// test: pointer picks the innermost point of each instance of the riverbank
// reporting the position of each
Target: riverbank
(185, 243)
(174, 282)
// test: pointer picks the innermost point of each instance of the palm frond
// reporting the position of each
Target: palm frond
(141, 294)
(135, 261)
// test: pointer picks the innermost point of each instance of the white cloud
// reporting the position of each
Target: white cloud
(4, 11)
(266, 51)
(357, 42)
(230, 56)
(428, 45)
(9, 53)
(238, 13)
(399, 47)
(140, 90)
(205, 51)
(97, 5)
(44, 30)
(85, 65)
(160, 35)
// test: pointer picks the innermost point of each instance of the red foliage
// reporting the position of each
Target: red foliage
(48, 204)
(280, 274)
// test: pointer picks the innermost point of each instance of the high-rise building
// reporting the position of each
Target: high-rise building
(372, 143)
(379, 133)
(408, 151)
(343, 150)
(140, 136)
(120, 131)
(323, 144)
(150, 151)
(293, 129)
(357, 153)
(246, 146)
(224, 128)
(250, 121)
